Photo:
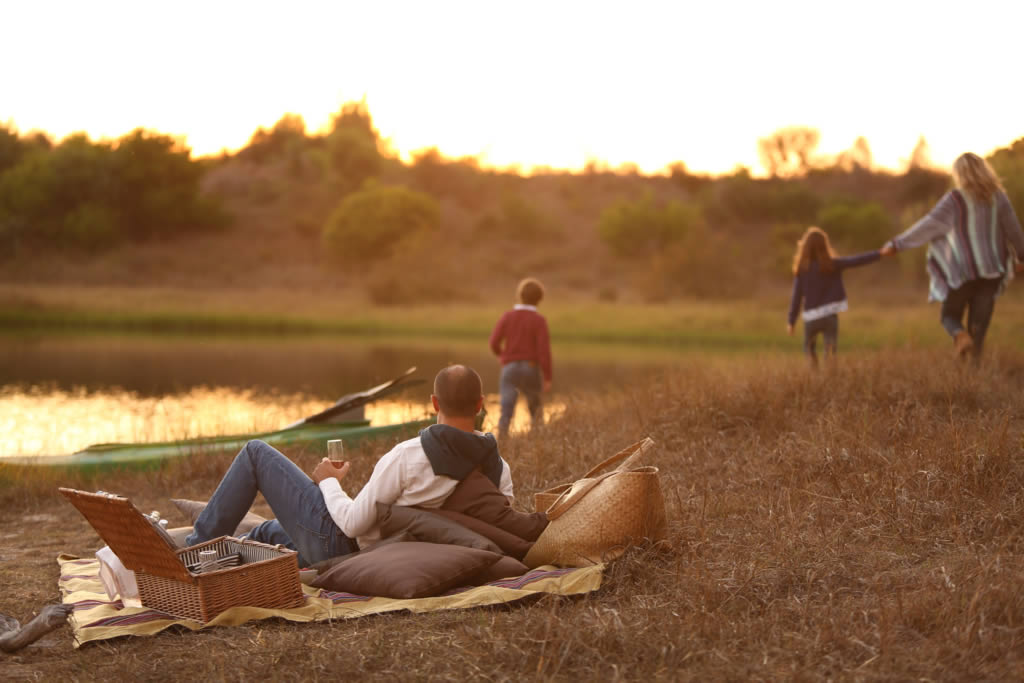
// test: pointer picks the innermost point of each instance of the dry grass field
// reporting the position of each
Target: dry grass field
(862, 523)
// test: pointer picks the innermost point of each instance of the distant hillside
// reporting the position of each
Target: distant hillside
(315, 212)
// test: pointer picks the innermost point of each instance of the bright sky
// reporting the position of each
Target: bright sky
(528, 83)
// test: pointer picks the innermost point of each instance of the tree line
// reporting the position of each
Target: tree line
(348, 189)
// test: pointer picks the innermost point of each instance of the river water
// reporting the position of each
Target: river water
(61, 393)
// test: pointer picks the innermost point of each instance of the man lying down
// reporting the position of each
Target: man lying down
(318, 518)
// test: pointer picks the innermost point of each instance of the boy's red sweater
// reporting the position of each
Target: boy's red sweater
(525, 333)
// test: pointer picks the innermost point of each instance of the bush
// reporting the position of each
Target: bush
(856, 226)
(1008, 163)
(784, 240)
(353, 158)
(368, 224)
(285, 139)
(704, 265)
(634, 229)
(519, 220)
(91, 195)
(90, 226)
(741, 198)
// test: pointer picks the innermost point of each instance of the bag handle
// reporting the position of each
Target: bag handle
(566, 501)
(628, 455)
(573, 495)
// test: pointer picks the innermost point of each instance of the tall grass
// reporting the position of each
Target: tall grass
(877, 320)
(858, 523)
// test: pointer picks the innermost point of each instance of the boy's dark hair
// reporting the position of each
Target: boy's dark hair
(458, 389)
(530, 291)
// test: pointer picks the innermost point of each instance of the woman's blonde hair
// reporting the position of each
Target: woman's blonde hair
(814, 246)
(973, 175)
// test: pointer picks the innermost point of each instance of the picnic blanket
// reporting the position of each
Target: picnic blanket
(96, 617)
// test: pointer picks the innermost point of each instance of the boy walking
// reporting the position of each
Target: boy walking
(521, 342)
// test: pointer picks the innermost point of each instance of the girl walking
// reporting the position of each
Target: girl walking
(818, 287)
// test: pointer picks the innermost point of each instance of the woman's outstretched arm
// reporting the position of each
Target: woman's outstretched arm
(936, 223)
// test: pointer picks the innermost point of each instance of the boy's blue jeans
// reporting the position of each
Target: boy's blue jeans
(302, 523)
(519, 376)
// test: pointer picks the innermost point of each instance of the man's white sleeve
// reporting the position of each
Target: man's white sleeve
(357, 517)
(506, 480)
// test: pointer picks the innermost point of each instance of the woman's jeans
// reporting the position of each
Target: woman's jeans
(302, 523)
(979, 297)
(519, 376)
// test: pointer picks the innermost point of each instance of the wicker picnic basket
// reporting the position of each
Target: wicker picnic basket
(267, 577)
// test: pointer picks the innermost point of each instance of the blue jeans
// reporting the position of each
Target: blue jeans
(828, 328)
(979, 298)
(302, 523)
(519, 376)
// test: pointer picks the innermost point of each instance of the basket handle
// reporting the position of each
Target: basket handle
(628, 455)
(572, 495)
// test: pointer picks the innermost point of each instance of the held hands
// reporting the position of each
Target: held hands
(325, 469)
(887, 249)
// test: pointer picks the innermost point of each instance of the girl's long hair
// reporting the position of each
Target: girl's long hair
(973, 175)
(814, 246)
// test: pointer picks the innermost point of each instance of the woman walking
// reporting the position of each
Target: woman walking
(969, 234)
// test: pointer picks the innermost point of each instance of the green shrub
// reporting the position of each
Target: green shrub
(1008, 163)
(634, 229)
(519, 220)
(91, 226)
(155, 186)
(94, 194)
(784, 240)
(286, 139)
(353, 157)
(703, 265)
(857, 226)
(367, 225)
(740, 198)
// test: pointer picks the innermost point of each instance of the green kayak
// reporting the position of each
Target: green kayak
(311, 433)
(147, 455)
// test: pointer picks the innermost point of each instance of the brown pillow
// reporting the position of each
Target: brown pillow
(406, 570)
(478, 497)
(510, 544)
(505, 568)
(192, 508)
(429, 527)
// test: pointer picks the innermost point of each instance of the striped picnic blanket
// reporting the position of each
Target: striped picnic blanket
(96, 617)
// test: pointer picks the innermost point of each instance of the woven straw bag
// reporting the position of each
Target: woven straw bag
(597, 517)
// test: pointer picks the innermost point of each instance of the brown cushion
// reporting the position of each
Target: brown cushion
(406, 570)
(478, 497)
(192, 508)
(510, 544)
(505, 568)
(429, 527)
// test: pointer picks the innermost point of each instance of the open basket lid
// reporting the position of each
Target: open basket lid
(131, 536)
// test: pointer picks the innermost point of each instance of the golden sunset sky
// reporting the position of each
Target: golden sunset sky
(528, 83)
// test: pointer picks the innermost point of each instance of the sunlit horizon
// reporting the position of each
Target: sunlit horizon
(543, 86)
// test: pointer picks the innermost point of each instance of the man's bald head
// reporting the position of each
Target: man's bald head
(458, 389)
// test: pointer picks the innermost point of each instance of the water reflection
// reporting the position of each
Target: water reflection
(49, 421)
(325, 367)
(59, 394)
